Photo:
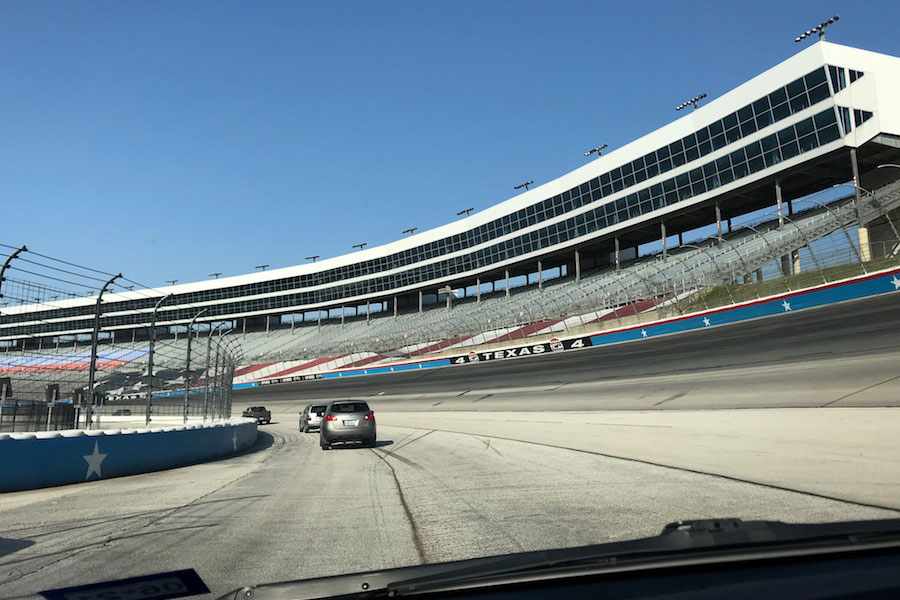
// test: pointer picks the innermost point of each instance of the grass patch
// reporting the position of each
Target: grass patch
(733, 293)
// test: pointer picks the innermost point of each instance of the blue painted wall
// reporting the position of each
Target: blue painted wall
(35, 463)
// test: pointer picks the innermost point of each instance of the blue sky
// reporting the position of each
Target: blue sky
(170, 140)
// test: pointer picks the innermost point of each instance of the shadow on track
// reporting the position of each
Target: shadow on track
(358, 446)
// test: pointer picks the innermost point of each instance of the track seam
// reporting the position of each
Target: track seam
(674, 468)
(417, 539)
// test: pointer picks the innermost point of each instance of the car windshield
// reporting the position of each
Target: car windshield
(509, 276)
(351, 407)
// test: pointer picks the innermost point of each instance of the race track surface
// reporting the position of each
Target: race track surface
(560, 450)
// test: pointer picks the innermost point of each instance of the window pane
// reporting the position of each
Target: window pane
(795, 88)
(764, 119)
(815, 78)
(748, 127)
(745, 113)
(818, 94)
(781, 111)
(761, 106)
(808, 142)
(730, 121)
(799, 103)
(829, 134)
(790, 150)
(716, 128)
(777, 97)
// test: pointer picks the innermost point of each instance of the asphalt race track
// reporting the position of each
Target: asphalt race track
(817, 357)
(523, 454)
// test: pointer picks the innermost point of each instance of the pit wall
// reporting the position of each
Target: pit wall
(44, 459)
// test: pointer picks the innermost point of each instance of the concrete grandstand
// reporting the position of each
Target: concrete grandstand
(827, 116)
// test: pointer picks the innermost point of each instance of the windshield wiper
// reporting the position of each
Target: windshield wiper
(710, 537)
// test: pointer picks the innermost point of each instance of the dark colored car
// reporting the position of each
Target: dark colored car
(347, 421)
(259, 413)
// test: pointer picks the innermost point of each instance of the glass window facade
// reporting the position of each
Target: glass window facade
(772, 149)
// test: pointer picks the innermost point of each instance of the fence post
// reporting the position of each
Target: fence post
(187, 365)
(93, 366)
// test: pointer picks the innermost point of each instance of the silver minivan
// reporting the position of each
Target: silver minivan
(311, 417)
(347, 421)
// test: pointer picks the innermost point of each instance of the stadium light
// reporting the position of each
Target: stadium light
(410, 231)
(261, 267)
(523, 185)
(820, 29)
(692, 102)
(598, 150)
(361, 245)
(171, 281)
(215, 275)
(465, 211)
(313, 257)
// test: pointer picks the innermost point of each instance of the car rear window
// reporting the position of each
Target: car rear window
(350, 407)
(319, 410)
(257, 408)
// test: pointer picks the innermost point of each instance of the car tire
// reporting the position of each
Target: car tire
(325, 446)
(370, 442)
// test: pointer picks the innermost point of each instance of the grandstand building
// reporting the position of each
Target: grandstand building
(827, 115)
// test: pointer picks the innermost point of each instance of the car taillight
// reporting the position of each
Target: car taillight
(330, 418)
(370, 417)
(308, 418)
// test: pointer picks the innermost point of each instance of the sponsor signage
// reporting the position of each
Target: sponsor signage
(554, 345)
(289, 379)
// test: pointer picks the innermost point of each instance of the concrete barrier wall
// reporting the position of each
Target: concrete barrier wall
(35, 460)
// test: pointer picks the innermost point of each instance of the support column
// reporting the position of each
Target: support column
(343, 310)
(758, 275)
(368, 311)
(718, 221)
(779, 202)
(862, 232)
(795, 261)
(268, 322)
(396, 309)
(420, 301)
(577, 265)
(319, 319)
(680, 239)
(292, 323)
(618, 254)
(244, 326)
(540, 276)
(729, 225)
(662, 233)
(478, 291)
(506, 273)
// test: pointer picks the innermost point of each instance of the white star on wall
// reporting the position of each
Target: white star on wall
(94, 461)
(896, 282)
(643, 332)
(786, 305)
(706, 321)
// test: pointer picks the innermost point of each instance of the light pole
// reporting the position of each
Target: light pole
(187, 364)
(261, 267)
(465, 211)
(692, 102)
(171, 281)
(313, 257)
(214, 275)
(820, 29)
(524, 185)
(150, 358)
(360, 245)
(410, 231)
(92, 370)
(598, 150)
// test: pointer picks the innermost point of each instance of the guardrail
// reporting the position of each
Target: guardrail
(44, 459)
